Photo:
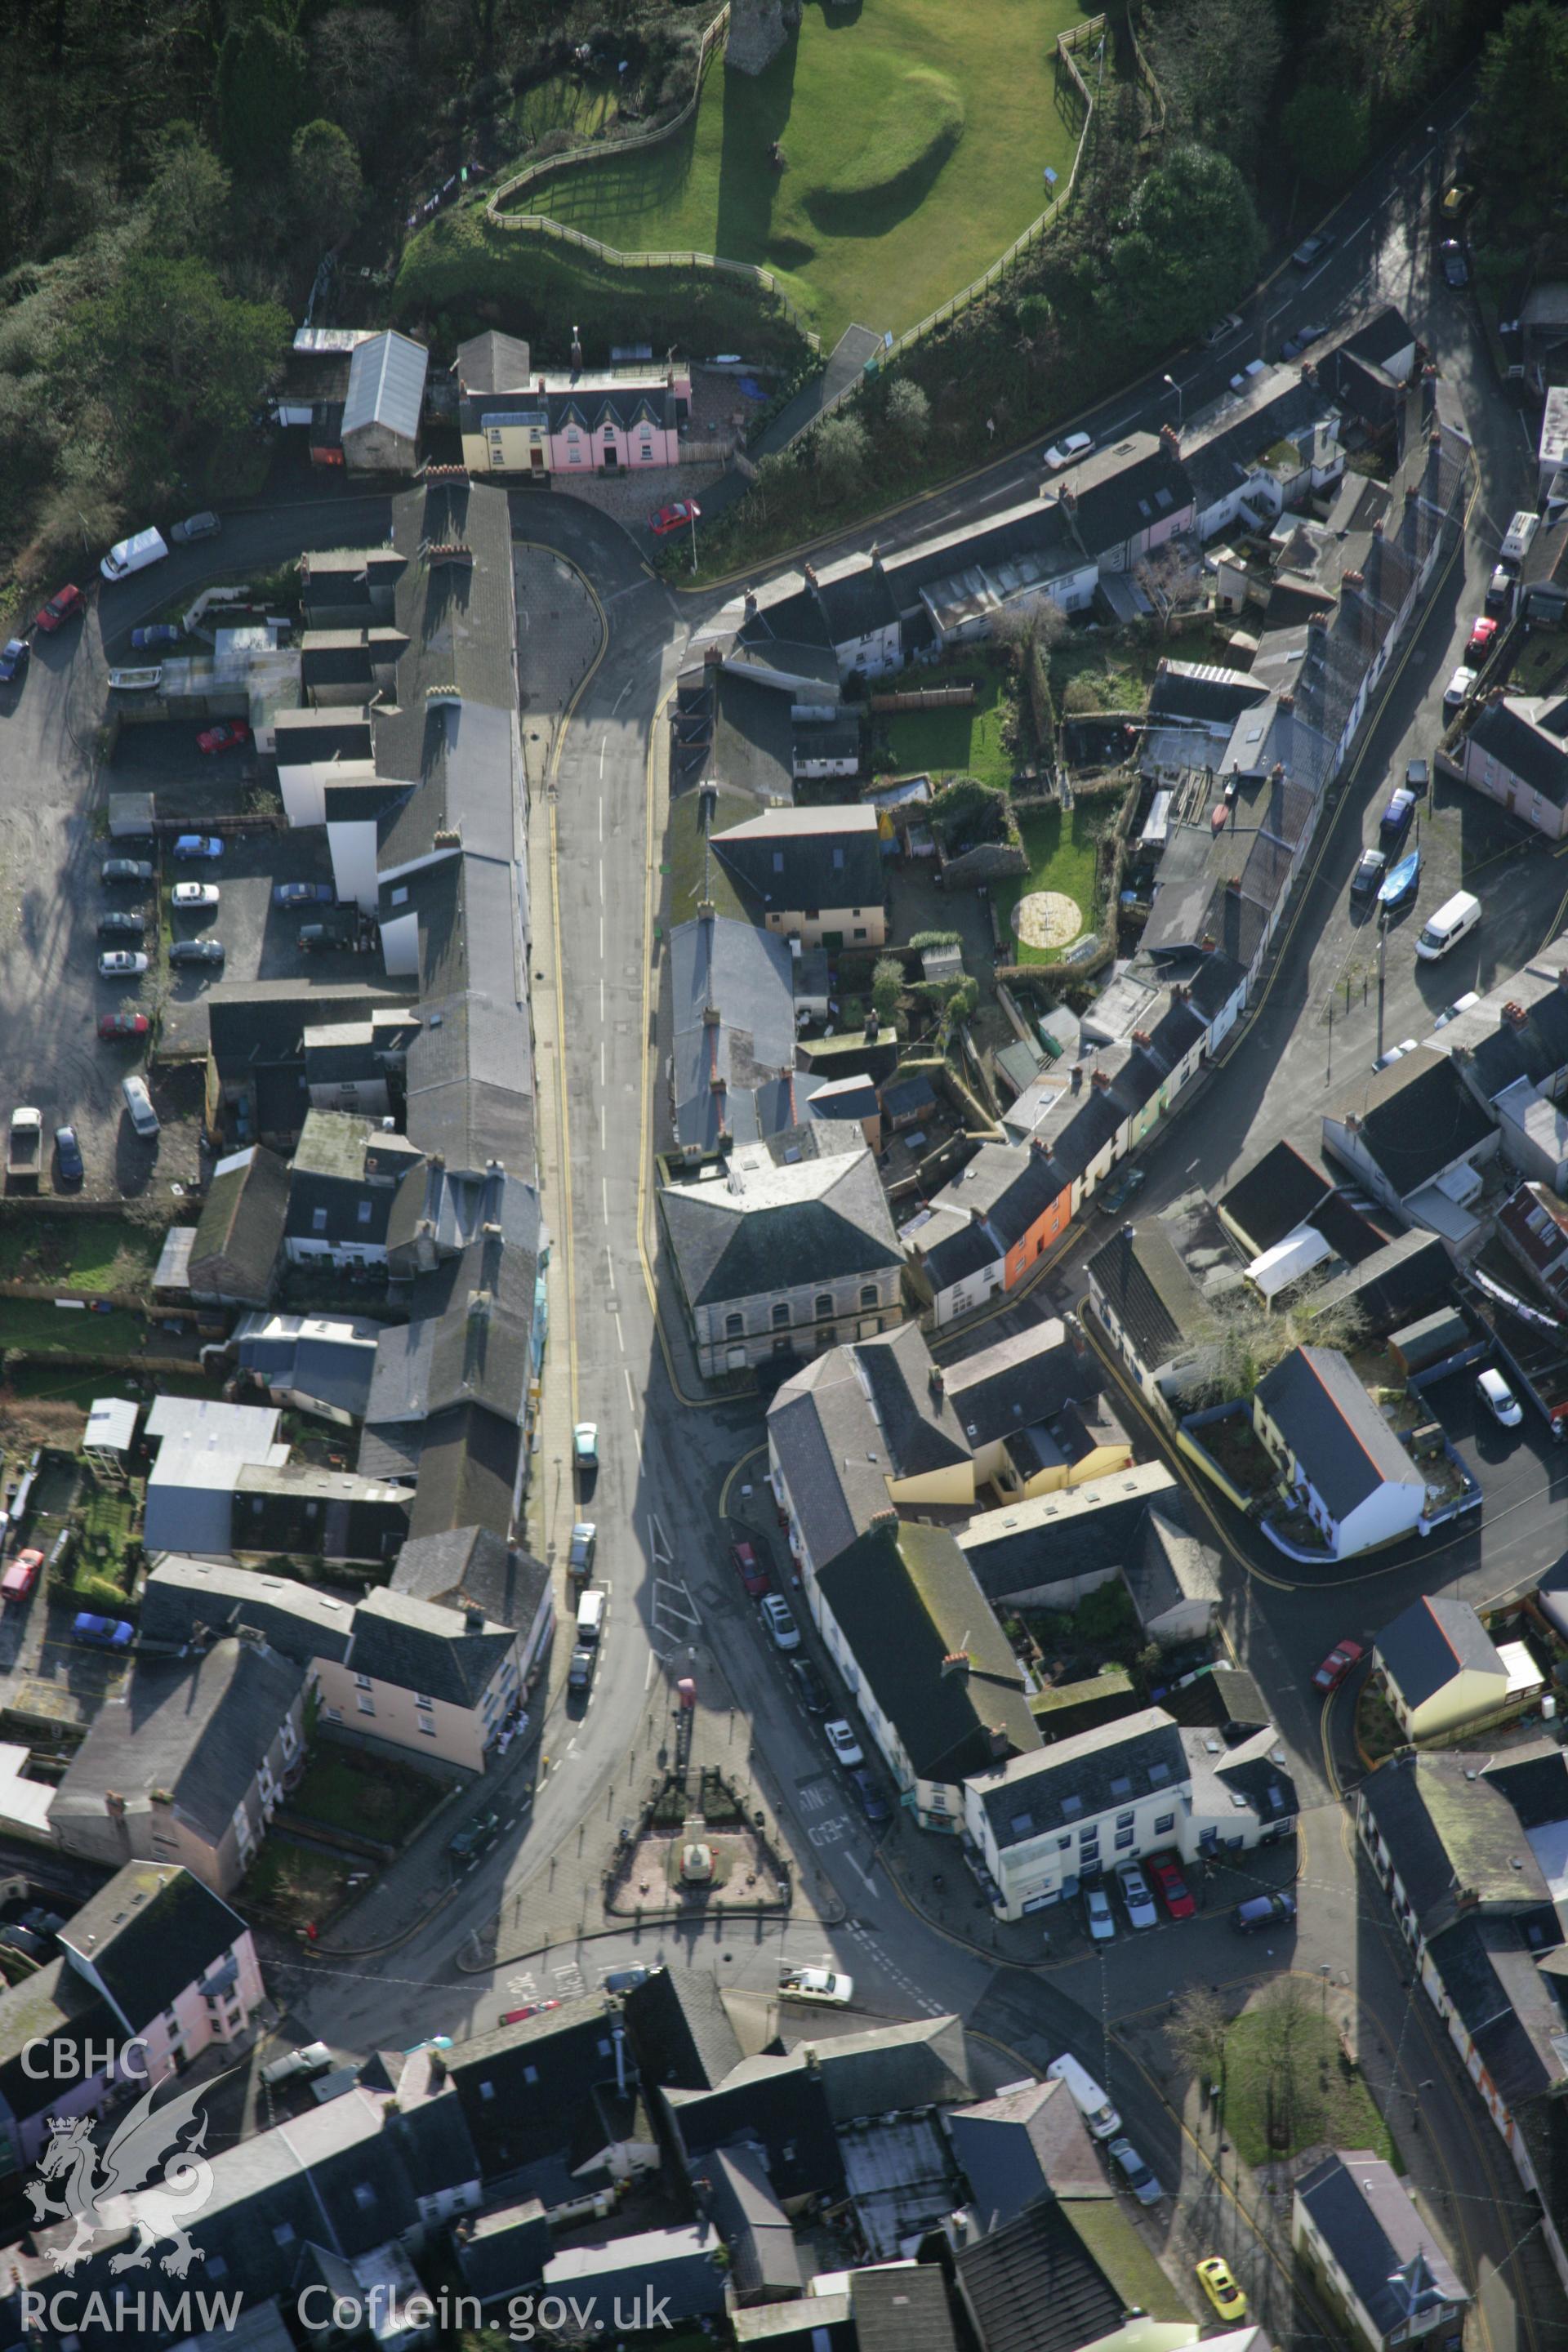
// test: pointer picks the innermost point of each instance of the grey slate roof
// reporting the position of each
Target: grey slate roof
(1054, 1537)
(793, 860)
(329, 1361)
(771, 1226)
(778, 2103)
(147, 1934)
(753, 2223)
(471, 1568)
(1034, 2286)
(1430, 1642)
(1169, 1564)
(240, 1231)
(1525, 735)
(1273, 1196)
(421, 1646)
(1417, 1118)
(850, 1421)
(681, 2031)
(1025, 2143)
(901, 2310)
(1364, 2215)
(1016, 1382)
(467, 1472)
(1153, 1297)
(300, 1621)
(1344, 1446)
(746, 974)
(1456, 1843)
(1076, 1778)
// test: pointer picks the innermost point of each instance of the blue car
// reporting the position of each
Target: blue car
(69, 1154)
(13, 658)
(873, 1804)
(304, 894)
(156, 632)
(199, 844)
(103, 1632)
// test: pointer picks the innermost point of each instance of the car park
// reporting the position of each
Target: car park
(586, 1445)
(303, 894)
(126, 869)
(103, 1632)
(123, 1024)
(68, 1156)
(197, 845)
(117, 926)
(120, 964)
(584, 1544)
(197, 951)
(1311, 249)
(1451, 257)
(1342, 1658)
(809, 1687)
(1098, 1913)
(1067, 451)
(226, 736)
(1134, 2171)
(156, 634)
(1500, 1399)
(1173, 1890)
(1222, 329)
(315, 2058)
(186, 895)
(1367, 879)
(1396, 816)
(841, 1738)
(1218, 2283)
(478, 1838)
(204, 525)
(1261, 1911)
(62, 607)
(14, 657)
(1133, 1889)
(677, 516)
(1481, 636)
(21, 1575)
(867, 1796)
(780, 1623)
(749, 1569)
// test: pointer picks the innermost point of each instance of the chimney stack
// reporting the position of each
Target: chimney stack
(1172, 439)
(955, 1666)
(1099, 1078)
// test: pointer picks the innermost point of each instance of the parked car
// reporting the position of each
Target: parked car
(529, 2008)
(63, 606)
(1337, 1664)
(1301, 341)
(843, 1742)
(204, 525)
(1456, 201)
(1097, 1911)
(122, 965)
(197, 845)
(1460, 1004)
(186, 895)
(478, 1838)
(580, 1666)
(869, 1797)
(1217, 2282)
(123, 1024)
(827, 1986)
(586, 1445)
(1133, 1889)
(21, 1575)
(809, 1685)
(1417, 777)
(1263, 1911)
(68, 1153)
(1367, 879)
(103, 1632)
(677, 516)
(750, 1570)
(226, 737)
(1394, 1054)
(1134, 2171)
(1451, 257)
(1500, 590)
(779, 1622)
(1396, 816)
(197, 951)
(1172, 1888)
(620, 1980)
(1500, 1399)
(1230, 325)
(1121, 1192)
(1066, 452)
(117, 926)
(303, 894)
(155, 634)
(127, 869)
(315, 2058)
(1459, 689)
(15, 655)
(585, 1543)
(1481, 637)
(1311, 249)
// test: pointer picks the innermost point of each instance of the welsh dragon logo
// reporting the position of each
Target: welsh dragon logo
(142, 2143)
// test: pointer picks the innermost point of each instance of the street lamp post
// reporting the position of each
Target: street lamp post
(1181, 400)
(694, 538)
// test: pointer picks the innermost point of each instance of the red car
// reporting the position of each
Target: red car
(224, 738)
(21, 1576)
(1337, 1666)
(1481, 637)
(749, 1570)
(63, 606)
(529, 2008)
(1173, 1887)
(123, 1024)
(674, 517)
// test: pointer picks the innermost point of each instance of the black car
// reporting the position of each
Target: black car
(69, 1154)
(15, 655)
(1456, 268)
(121, 927)
(808, 1685)
(127, 869)
(204, 525)
(1367, 879)
(1263, 1911)
(197, 951)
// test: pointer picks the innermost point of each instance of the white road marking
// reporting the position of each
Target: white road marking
(649, 1676)
(811, 1801)
(1323, 265)
(828, 1833)
(1421, 161)
(620, 1334)
(632, 1400)
(864, 1876)
(569, 1978)
(605, 1196)
(620, 697)
(524, 1987)
(602, 1146)
(1112, 431)
(602, 742)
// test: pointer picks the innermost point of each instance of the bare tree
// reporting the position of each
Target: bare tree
(1242, 1339)
(1287, 2017)
(1037, 620)
(1196, 2031)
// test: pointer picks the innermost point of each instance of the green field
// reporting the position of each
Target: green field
(1057, 861)
(963, 740)
(914, 137)
(1331, 2106)
(89, 1255)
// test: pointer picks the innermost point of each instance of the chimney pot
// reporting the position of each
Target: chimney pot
(1099, 1078)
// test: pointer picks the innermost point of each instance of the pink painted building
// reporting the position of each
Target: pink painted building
(516, 419)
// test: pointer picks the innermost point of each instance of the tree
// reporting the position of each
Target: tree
(1326, 130)
(325, 186)
(908, 414)
(1197, 2032)
(1242, 1339)
(1522, 98)
(1288, 2018)
(886, 987)
(360, 61)
(843, 447)
(1217, 61)
(1192, 238)
(185, 209)
(264, 94)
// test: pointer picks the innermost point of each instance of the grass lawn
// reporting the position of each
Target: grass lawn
(89, 1255)
(962, 739)
(914, 135)
(105, 1515)
(296, 1884)
(683, 854)
(371, 1794)
(1333, 2105)
(562, 102)
(1058, 860)
(38, 1328)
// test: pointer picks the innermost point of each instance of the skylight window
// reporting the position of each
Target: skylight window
(1071, 1806)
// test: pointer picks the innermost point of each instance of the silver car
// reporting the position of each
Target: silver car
(1133, 1889)
(1135, 2172)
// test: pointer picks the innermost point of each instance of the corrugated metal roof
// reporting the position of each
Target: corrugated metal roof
(386, 385)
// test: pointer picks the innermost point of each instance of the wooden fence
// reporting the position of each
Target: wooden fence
(925, 697)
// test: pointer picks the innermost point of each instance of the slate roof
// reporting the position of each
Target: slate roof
(467, 1472)
(1505, 2003)
(1498, 1049)
(54, 2014)
(1033, 2286)
(753, 2223)
(472, 1568)
(1525, 735)
(1116, 493)
(421, 1646)
(1344, 1445)
(1198, 690)
(681, 2031)
(779, 2105)
(1077, 1778)
(1273, 1197)
(469, 1341)
(851, 1419)
(1147, 1287)
(470, 1084)
(1407, 1276)
(240, 1229)
(772, 1226)
(328, 1360)
(729, 1077)
(1417, 1118)
(493, 363)
(1169, 1564)
(1363, 2212)
(899, 2309)
(1430, 1642)
(1456, 1841)
(541, 2073)
(1020, 1382)
(802, 859)
(904, 1598)
(147, 1934)
(300, 1621)
(1051, 1538)
(1025, 2143)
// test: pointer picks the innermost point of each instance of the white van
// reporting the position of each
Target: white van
(1090, 2099)
(590, 1617)
(1520, 536)
(139, 1103)
(133, 554)
(1449, 926)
